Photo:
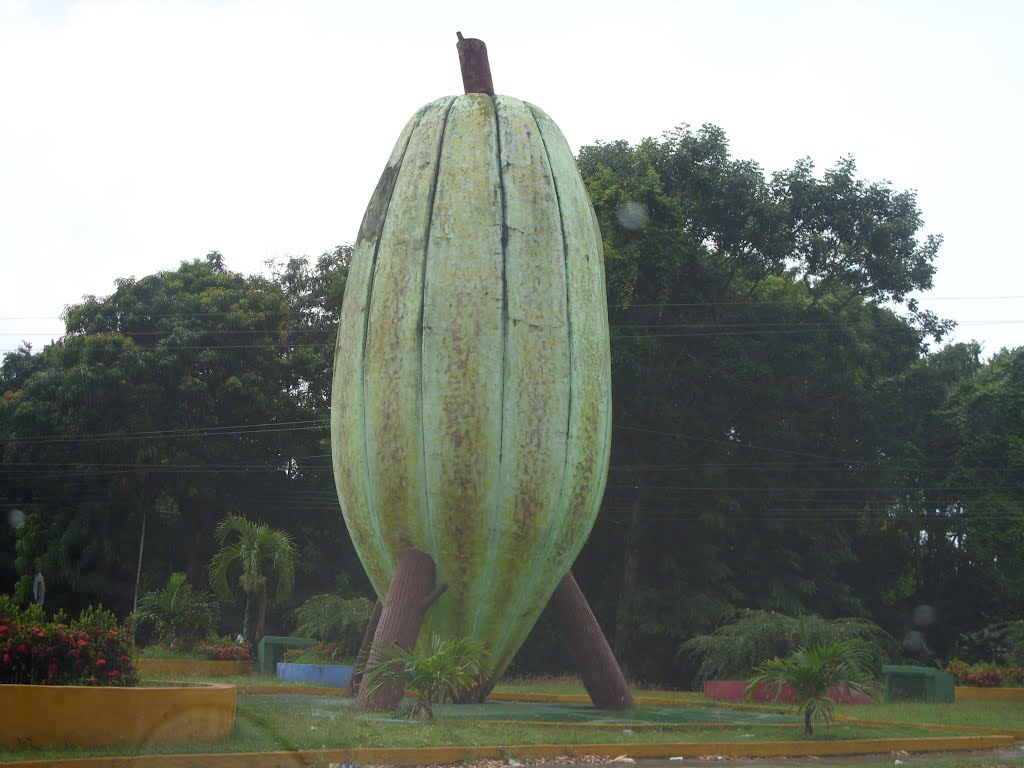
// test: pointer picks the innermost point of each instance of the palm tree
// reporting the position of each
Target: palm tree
(178, 612)
(437, 671)
(265, 555)
(813, 672)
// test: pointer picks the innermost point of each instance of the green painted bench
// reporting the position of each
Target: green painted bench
(270, 648)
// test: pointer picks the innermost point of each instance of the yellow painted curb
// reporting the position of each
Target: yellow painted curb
(639, 726)
(967, 693)
(304, 690)
(96, 716)
(433, 755)
(190, 668)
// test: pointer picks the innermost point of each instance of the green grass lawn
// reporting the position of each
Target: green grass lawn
(272, 723)
(982, 714)
(265, 724)
(574, 686)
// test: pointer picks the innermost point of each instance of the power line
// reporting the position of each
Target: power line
(234, 429)
(274, 313)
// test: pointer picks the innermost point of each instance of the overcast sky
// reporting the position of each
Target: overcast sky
(135, 135)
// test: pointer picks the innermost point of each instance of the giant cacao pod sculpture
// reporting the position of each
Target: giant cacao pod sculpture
(471, 397)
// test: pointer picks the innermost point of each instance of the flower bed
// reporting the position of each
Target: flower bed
(219, 658)
(90, 651)
(89, 716)
(220, 649)
(735, 690)
(191, 668)
(985, 675)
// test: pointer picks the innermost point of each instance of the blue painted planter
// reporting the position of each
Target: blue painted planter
(331, 675)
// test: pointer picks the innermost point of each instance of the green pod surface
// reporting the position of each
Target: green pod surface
(471, 399)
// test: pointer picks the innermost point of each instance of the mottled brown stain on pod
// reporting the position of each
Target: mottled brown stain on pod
(392, 360)
(536, 369)
(589, 377)
(347, 397)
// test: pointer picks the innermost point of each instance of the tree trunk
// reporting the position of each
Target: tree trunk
(138, 569)
(602, 676)
(627, 582)
(364, 648)
(261, 612)
(807, 722)
(247, 619)
(409, 596)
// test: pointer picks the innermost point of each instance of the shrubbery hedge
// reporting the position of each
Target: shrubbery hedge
(92, 650)
(985, 675)
(211, 649)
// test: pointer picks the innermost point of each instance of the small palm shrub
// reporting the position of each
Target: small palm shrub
(178, 613)
(736, 649)
(437, 671)
(812, 673)
(333, 620)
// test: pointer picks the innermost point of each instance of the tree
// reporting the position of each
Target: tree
(753, 346)
(437, 670)
(174, 399)
(735, 649)
(178, 613)
(814, 672)
(265, 557)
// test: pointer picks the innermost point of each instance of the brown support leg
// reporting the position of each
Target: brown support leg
(364, 649)
(411, 593)
(602, 676)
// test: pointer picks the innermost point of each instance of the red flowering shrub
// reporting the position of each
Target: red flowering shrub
(90, 651)
(958, 669)
(985, 675)
(220, 651)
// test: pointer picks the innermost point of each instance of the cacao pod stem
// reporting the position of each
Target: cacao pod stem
(476, 70)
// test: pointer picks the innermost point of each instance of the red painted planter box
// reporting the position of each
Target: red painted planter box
(735, 690)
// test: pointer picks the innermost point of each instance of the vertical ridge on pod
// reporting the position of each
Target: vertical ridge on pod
(586, 456)
(494, 512)
(391, 370)
(462, 354)
(432, 535)
(553, 244)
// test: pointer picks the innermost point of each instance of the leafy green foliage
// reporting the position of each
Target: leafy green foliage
(17, 611)
(437, 670)
(177, 613)
(333, 619)
(215, 384)
(1001, 643)
(813, 672)
(322, 653)
(738, 647)
(749, 413)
